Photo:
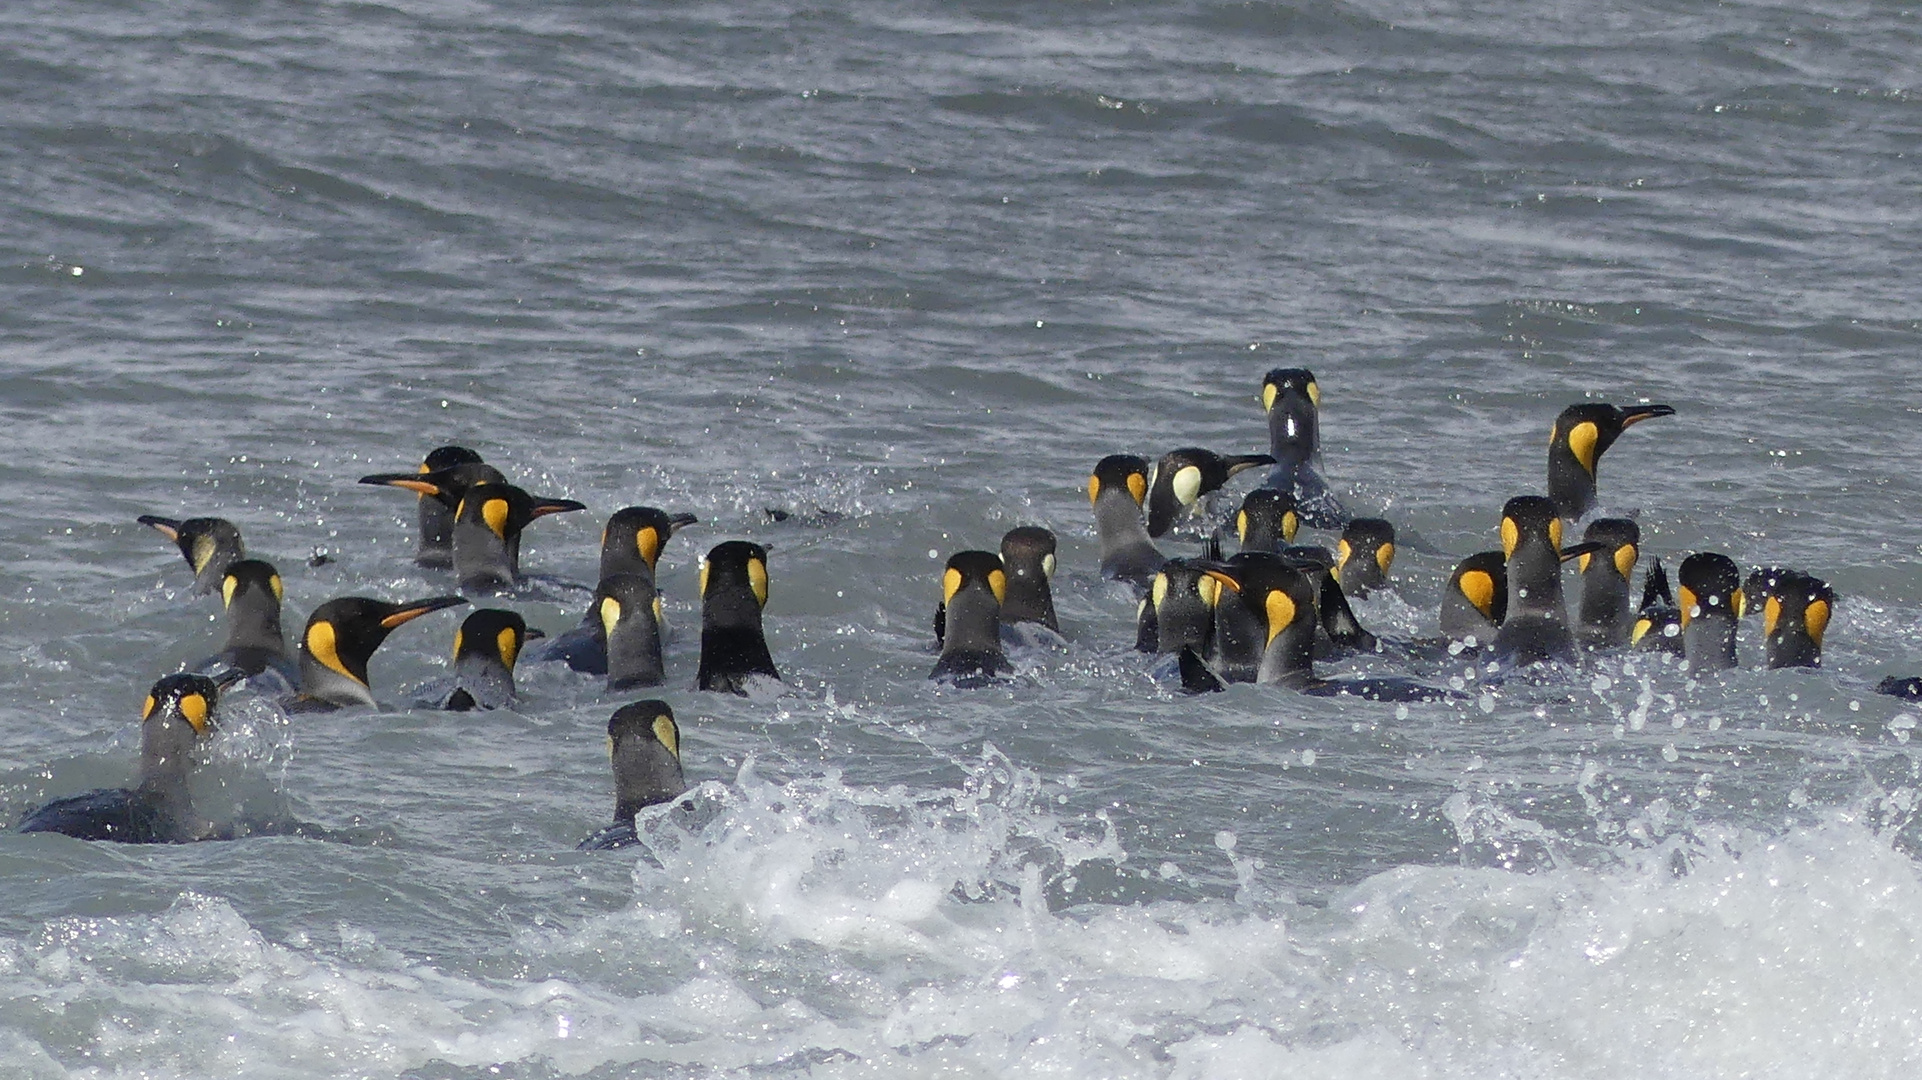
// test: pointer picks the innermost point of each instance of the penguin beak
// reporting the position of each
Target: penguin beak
(534, 633)
(167, 527)
(410, 481)
(677, 522)
(410, 612)
(1587, 547)
(228, 678)
(1635, 414)
(544, 507)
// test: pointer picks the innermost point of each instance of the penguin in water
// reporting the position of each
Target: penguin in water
(644, 746)
(972, 589)
(1476, 599)
(209, 544)
(1116, 490)
(158, 809)
(1183, 476)
(1027, 554)
(436, 549)
(486, 645)
(1603, 617)
(1582, 433)
(1795, 614)
(340, 638)
(1179, 610)
(631, 543)
(1267, 520)
(1268, 609)
(629, 610)
(1658, 622)
(1711, 598)
(1536, 628)
(255, 645)
(733, 595)
(1292, 400)
(1362, 558)
(1340, 631)
(488, 518)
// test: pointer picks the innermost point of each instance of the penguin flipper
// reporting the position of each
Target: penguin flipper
(116, 814)
(1338, 619)
(618, 835)
(1908, 689)
(1195, 676)
(1147, 628)
(582, 649)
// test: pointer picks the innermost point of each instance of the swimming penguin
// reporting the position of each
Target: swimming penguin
(485, 648)
(210, 545)
(158, 809)
(644, 745)
(255, 645)
(1603, 618)
(972, 589)
(488, 517)
(1582, 433)
(1476, 599)
(1710, 587)
(1116, 490)
(1292, 400)
(632, 541)
(1536, 628)
(341, 636)
(1179, 610)
(436, 548)
(1362, 559)
(733, 594)
(1340, 631)
(629, 610)
(1658, 622)
(1183, 476)
(1267, 520)
(1795, 614)
(1027, 554)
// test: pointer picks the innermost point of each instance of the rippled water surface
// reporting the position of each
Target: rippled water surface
(906, 271)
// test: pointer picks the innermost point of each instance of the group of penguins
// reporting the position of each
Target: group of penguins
(1262, 615)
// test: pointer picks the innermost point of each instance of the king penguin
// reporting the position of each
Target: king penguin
(1292, 400)
(972, 589)
(1795, 614)
(209, 544)
(1476, 599)
(1116, 490)
(1604, 616)
(158, 809)
(1362, 559)
(486, 645)
(632, 541)
(1267, 520)
(1536, 628)
(1027, 554)
(1711, 600)
(341, 637)
(1183, 476)
(629, 610)
(255, 646)
(436, 548)
(644, 746)
(734, 590)
(1582, 433)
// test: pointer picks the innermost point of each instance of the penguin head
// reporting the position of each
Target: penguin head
(178, 715)
(1027, 553)
(1530, 520)
(445, 485)
(1122, 474)
(342, 634)
(1620, 540)
(644, 746)
(251, 581)
(209, 544)
(1267, 519)
(492, 636)
(1707, 583)
(1587, 430)
(620, 597)
(446, 457)
(1281, 601)
(1291, 390)
(1482, 581)
(1368, 544)
(638, 533)
(505, 510)
(1765, 582)
(1796, 602)
(1183, 476)
(735, 568)
(979, 572)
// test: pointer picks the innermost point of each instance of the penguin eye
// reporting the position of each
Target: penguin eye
(950, 584)
(757, 578)
(228, 586)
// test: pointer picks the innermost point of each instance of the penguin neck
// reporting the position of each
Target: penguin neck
(1029, 599)
(1182, 619)
(1289, 660)
(253, 622)
(1294, 438)
(1604, 613)
(634, 652)
(1263, 535)
(325, 684)
(644, 776)
(1569, 485)
(973, 639)
(1535, 581)
(1791, 646)
(622, 558)
(1708, 641)
(1239, 642)
(485, 678)
(483, 561)
(1126, 550)
(166, 760)
(436, 534)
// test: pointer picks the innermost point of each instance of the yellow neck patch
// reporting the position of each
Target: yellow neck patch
(509, 644)
(1816, 618)
(1581, 442)
(1281, 613)
(647, 544)
(322, 645)
(757, 579)
(1511, 535)
(494, 512)
(194, 708)
(669, 734)
(1479, 589)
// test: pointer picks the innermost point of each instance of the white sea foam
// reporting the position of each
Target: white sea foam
(821, 929)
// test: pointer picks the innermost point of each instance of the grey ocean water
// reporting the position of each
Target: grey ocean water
(920, 266)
